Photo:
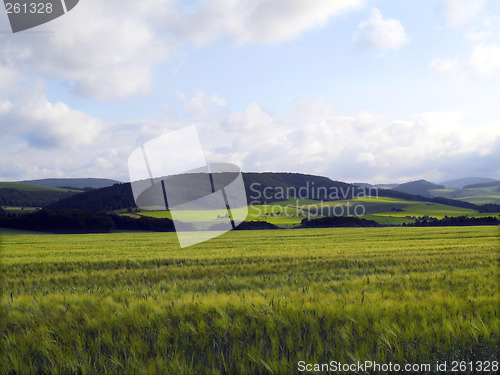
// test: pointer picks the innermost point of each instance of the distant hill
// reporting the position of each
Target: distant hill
(463, 182)
(261, 188)
(104, 199)
(483, 185)
(420, 187)
(77, 183)
(378, 186)
(482, 193)
(29, 187)
(29, 195)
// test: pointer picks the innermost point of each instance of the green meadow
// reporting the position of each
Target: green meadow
(31, 187)
(290, 213)
(249, 302)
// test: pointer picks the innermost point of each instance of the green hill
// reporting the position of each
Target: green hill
(420, 187)
(484, 185)
(29, 195)
(483, 193)
(463, 182)
(261, 188)
(32, 187)
(77, 183)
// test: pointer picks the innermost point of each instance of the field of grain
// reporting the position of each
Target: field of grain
(249, 301)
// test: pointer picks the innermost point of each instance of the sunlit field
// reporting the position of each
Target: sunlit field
(248, 301)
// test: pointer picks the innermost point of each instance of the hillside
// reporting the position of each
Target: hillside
(420, 187)
(483, 193)
(261, 188)
(98, 200)
(463, 182)
(32, 187)
(76, 183)
(483, 185)
(29, 195)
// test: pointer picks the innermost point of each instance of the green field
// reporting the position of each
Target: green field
(290, 213)
(248, 302)
(481, 195)
(31, 187)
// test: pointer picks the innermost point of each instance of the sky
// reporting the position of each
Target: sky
(378, 91)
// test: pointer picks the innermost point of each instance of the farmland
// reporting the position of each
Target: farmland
(248, 301)
(288, 214)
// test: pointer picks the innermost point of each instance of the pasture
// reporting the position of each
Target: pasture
(31, 187)
(249, 301)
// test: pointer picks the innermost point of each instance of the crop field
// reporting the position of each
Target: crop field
(249, 302)
(31, 187)
(290, 213)
(483, 195)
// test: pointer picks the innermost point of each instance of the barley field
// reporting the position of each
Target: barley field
(248, 302)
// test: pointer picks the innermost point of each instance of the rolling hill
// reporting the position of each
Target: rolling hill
(462, 182)
(262, 189)
(76, 183)
(29, 195)
(420, 187)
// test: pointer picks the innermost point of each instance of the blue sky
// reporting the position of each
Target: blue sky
(376, 91)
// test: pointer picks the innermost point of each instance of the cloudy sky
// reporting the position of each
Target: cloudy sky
(356, 90)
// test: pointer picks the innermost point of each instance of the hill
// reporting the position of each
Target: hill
(378, 186)
(261, 188)
(76, 183)
(462, 182)
(32, 187)
(420, 187)
(483, 185)
(483, 193)
(29, 195)
(105, 199)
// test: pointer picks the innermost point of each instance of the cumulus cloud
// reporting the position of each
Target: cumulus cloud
(106, 50)
(381, 33)
(262, 20)
(485, 58)
(461, 12)
(312, 138)
(107, 54)
(449, 68)
(46, 125)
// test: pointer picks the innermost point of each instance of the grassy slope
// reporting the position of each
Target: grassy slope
(378, 209)
(30, 187)
(482, 195)
(248, 302)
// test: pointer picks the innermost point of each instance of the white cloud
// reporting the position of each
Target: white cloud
(106, 50)
(312, 138)
(382, 33)
(46, 125)
(461, 12)
(485, 58)
(262, 20)
(449, 68)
